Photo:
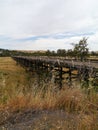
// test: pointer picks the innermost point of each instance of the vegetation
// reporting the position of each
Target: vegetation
(68, 108)
(80, 51)
(18, 94)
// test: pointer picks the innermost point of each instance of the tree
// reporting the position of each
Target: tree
(61, 52)
(48, 52)
(70, 53)
(81, 50)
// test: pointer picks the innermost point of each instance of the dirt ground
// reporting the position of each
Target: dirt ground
(39, 120)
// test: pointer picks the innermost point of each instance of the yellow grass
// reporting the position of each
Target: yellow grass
(16, 95)
(84, 111)
(13, 79)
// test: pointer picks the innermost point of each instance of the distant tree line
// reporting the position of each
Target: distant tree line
(80, 51)
(6, 52)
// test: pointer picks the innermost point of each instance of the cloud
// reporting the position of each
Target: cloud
(52, 42)
(35, 22)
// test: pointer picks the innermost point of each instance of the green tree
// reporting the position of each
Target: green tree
(81, 50)
(61, 52)
(70, 53)
(48, 53)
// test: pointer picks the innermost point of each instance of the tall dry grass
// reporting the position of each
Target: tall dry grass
(70, 100)
(16, 95)
(83, 108)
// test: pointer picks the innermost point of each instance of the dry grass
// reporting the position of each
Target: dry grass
(70, 100)
(82, 111)
(15, 96)
(49, 122)
(13, 80)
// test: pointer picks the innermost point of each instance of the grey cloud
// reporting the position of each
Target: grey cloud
(41, 16)
(47, 17)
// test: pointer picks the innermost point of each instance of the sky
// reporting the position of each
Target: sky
(48, 24)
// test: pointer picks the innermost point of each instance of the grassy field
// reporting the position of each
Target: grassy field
(17, 95)
(13, 80)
